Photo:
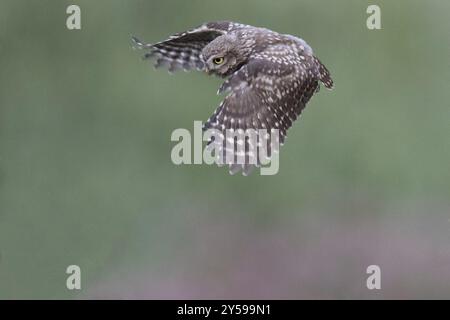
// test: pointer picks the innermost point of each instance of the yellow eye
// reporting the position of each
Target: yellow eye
(218, 60)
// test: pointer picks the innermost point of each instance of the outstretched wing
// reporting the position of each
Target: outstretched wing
(268, 93)
(182, 50)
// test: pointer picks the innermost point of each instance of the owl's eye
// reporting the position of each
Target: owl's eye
(218, 60)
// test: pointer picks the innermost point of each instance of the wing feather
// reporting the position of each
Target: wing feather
(267, 93)
(183, 50)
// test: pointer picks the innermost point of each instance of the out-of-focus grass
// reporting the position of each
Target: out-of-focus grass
(86, 176)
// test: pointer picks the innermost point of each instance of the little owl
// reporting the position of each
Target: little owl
(269, 76)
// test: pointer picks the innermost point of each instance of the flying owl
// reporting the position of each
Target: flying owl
(270, 77)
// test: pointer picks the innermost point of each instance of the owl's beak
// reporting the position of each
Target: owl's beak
(208, 71)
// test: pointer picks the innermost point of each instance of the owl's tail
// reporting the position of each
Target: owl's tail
(325, 76)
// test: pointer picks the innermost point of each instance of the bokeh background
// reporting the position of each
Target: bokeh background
(86, 176)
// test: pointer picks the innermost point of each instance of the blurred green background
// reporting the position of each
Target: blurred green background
(86, 176)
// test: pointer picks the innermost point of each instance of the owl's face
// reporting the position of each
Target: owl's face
(221, 56)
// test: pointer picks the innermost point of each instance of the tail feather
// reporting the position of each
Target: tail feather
(325, 76)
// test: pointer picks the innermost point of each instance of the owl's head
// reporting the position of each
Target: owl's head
(223, 55)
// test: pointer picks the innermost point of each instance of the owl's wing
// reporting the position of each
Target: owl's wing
(268, 93)
(182, 50)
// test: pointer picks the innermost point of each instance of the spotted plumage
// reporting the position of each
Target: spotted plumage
(269, 76)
